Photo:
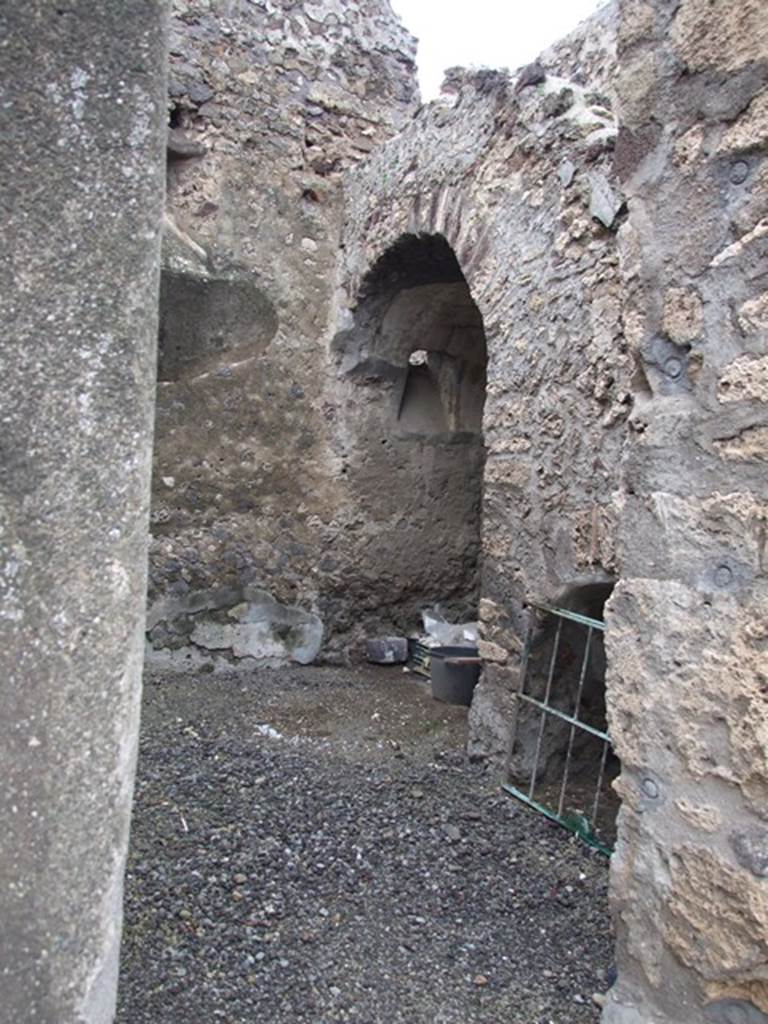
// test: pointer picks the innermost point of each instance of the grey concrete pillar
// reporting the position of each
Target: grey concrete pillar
(82, 107)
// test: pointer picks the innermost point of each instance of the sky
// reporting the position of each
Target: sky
(494, 33)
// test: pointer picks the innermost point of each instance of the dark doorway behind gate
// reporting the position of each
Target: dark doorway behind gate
(561, 761)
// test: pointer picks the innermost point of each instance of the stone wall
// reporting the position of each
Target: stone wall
(293, 486)
(269, 102)
(686, 633)
(612, 233)
(580, 251)
(517, 175)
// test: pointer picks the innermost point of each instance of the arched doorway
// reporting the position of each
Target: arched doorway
(413, 368)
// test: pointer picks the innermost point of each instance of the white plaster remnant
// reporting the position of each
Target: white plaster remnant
(78, 81)
(268, 731)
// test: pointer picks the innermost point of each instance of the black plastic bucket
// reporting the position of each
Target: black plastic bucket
(454, 672)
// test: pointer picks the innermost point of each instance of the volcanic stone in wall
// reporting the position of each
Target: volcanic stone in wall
(268, 104)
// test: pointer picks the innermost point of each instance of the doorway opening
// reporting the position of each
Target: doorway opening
(561, 761)
(413, 373)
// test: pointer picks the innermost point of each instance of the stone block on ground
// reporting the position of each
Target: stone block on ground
(387, 650)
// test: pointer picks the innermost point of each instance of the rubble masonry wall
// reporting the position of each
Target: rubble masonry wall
(271, 101)
(686, 638)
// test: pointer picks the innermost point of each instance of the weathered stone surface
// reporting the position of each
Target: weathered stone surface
(531, 74)
(721, 36)
(181, 147)
(240, 622)
(753, 314)
(734, 1011)
(83, 147)
(735, 936)
(751, 850)
(388, 650)
(686, 623)
(705, 817)
(490, 716)
(331, 451)
(277, 462)
(492, 652)
(744, 379)
(546, 283)
(749, 132)
(274, 105)
(683, 315)
(604, 202)
(380, 325)
(566, 172)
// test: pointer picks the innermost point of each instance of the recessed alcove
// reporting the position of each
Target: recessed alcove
(413, 373)
(203, 320)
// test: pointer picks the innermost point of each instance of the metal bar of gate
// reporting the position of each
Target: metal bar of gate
(574, 724)
(552, 661)
(589, 838)
(564, 717)
(601, 773)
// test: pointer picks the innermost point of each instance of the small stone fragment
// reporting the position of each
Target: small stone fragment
(200, 93)
(557, 103)
(387, 650)
(751, 850)
(566, 172)
(179, 146)
(683, 315)
(604, 203)
(531, 74)
(753, 314)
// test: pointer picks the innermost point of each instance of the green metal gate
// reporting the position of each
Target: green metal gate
(554, 804)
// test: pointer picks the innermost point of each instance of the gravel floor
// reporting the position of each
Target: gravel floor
(311, 845)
